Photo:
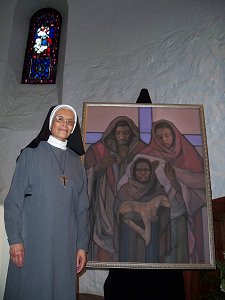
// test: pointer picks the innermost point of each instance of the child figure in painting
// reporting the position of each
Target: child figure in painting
(142, 214)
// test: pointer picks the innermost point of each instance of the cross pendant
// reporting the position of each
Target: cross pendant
(64, 179)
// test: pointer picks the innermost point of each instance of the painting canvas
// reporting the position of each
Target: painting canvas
(149, 186)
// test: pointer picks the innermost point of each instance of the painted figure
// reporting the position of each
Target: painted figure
(185, 187)
(142, 213)
(105, 163)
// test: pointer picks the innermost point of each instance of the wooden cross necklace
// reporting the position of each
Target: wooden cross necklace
(63, 178)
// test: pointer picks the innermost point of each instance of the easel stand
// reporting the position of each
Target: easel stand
(144, 284)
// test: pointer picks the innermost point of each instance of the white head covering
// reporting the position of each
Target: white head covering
(63, 106)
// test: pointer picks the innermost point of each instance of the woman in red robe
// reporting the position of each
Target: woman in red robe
(184, 169)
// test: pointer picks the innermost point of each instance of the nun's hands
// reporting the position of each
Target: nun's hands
(16, 253)
(81, 260)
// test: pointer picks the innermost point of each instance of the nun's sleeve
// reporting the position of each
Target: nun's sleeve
(83, 233)
(13, 206)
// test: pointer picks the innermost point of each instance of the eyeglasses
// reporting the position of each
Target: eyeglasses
(61, 119)
(143, 170)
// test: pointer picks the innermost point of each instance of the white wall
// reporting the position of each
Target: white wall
(174, 48)
(112, 49)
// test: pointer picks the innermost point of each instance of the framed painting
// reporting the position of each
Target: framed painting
(149, 186)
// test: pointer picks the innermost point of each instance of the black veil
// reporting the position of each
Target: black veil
(74, 142)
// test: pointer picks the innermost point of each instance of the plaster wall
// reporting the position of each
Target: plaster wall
(109, 51)
(173, 48)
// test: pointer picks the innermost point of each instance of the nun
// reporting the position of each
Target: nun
(46, 213)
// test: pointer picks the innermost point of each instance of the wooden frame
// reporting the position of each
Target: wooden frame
(150, 197)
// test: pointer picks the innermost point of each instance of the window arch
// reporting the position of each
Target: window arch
(41, 56)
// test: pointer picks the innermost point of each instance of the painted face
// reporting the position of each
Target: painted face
(165, 137)
(122, 135)
(142, 172)
(62, 124)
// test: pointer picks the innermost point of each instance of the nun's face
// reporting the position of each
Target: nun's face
(62, 124)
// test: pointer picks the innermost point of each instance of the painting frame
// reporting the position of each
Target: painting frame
(96, 118)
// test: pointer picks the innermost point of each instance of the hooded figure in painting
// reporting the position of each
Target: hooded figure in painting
(105, 162)
(181, 173)
(143, 214)
(46, 213)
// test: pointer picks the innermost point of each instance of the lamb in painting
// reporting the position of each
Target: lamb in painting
(147, 212)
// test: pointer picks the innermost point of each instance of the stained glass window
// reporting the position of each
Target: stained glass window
(42, 50)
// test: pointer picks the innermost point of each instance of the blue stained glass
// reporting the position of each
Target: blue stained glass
(41, 56)
(40, 68)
